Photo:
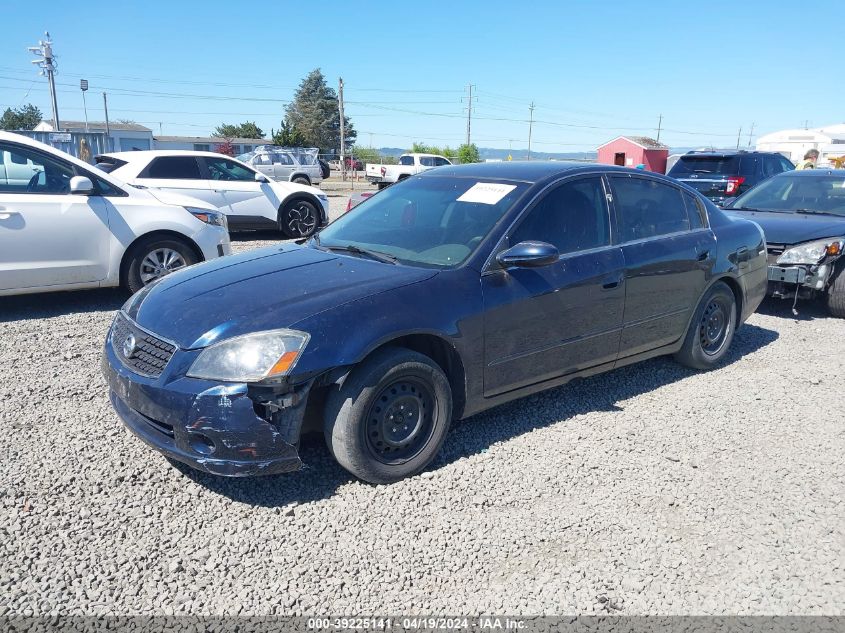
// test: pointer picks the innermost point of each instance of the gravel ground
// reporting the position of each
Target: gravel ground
(649, 490)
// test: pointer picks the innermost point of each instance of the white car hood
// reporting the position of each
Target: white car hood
(178, 199)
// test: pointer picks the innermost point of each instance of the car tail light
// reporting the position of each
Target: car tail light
(734, 183)
(383, 171)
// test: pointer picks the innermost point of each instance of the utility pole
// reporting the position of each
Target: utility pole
(738, 134)
(109, 146)
(469, 112)
(530, 127)
(342, 130)
(751, 134)
(46, 62)
(659, 127)
(83, 86)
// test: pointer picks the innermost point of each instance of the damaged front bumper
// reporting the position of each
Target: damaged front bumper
(232, 429)
(802, 279)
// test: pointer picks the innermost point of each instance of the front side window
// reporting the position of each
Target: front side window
(647, 208)
(34, 172)
(224, 169)
(441, 161)
(427, 161)
(431, 222)
(573, 217)
(173, 167)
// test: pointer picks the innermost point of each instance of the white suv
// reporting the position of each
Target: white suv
(69, 226)
(247, 197)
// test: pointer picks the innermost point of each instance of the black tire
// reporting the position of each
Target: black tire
(711, 330)
(836, 293)
(298, 218)
(382, 185)
(325, 168)
(138, 268)
(302, 180)
(365, 420)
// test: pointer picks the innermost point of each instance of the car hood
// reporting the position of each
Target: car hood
(267, 288)
(793, 228)
(178, 199)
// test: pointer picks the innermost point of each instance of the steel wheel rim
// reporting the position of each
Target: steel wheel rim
(160, 262)
(301, 220)
(401, 421)
(713, 327)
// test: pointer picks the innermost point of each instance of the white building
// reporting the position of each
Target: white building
(123, 137)
(829, 140)
(207, 143)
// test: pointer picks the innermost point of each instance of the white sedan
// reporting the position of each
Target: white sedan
(247, 197)
(70, 226)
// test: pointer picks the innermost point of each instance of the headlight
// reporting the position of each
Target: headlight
(811, 252)
(215, 218)
(251, 357)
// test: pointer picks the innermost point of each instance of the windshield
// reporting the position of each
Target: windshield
(434, 221)
(717, 165)
(791, 192)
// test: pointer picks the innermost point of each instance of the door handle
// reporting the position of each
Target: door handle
(703, 255)
(611, 282)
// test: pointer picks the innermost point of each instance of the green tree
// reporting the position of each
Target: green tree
(314, 115)
(469, 153)
(247, 129)
(366, 154)
(287, 136)
(24, 118)
(422, 148)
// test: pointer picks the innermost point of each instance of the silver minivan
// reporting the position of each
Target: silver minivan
(298, 165)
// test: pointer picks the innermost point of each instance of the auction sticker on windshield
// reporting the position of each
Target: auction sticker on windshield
(486, 192)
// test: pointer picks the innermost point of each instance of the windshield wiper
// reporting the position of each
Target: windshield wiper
(357, 250)
(814, 212)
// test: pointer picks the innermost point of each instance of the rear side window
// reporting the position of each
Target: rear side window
(695, 210)
(406, 160)
(703, 165)
(173, 167)
(648, 208)
(748, 166)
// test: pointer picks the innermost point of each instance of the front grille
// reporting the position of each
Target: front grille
(148, 356)
(158, 425)
(774, 251)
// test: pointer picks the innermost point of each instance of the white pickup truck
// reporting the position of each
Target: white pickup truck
(409, 164)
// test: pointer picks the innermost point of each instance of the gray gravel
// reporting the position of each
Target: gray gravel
(651, 489)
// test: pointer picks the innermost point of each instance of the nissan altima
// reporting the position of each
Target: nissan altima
(449, 293)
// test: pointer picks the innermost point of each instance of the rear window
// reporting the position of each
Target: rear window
(704, 165)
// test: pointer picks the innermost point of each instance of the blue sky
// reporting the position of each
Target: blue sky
(594, 69)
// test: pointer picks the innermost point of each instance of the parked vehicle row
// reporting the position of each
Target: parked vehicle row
(65, 225)
(281, 164)
(408, 165)
(247, 197)
(448, 293)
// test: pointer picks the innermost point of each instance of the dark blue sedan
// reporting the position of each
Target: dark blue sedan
(441, 296)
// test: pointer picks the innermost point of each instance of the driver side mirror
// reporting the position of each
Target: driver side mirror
(81, 186)
(259, 177)
(529, 255)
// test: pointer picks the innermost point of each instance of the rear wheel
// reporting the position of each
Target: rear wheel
(390, 417)
(155, 257)
(836, 294)
(298, 218)
(711, 330)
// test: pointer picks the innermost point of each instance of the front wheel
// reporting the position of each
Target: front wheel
(390, 417)
(155, 257)
(711, 330)
(298, 219)
(302, 180)
(836, 294)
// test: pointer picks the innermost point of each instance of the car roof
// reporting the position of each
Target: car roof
(813, 173)
(147, 154)
(726, 152)
(525, 171)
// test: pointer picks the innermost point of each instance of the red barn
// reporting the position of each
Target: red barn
(630, 151)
